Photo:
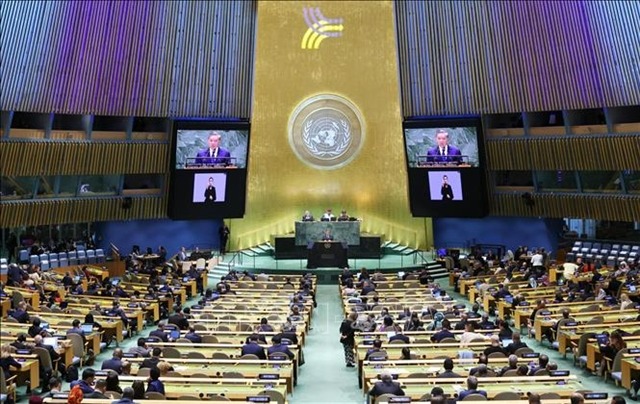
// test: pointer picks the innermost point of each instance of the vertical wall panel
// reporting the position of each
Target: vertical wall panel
(176, 58)
(510, 56)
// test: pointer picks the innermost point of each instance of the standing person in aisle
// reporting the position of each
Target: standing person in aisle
(347, 338)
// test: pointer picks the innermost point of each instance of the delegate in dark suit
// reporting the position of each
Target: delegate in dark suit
(160, 334)
(114, 364)
(252, 348)
(282, 348)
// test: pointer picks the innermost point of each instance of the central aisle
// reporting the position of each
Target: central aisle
(325, 378)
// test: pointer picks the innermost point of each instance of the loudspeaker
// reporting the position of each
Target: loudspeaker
(126, 203)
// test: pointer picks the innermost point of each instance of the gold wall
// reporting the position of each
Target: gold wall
(360, 66)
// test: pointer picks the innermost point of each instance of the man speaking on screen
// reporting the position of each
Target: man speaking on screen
(214, 154)
(443, 152)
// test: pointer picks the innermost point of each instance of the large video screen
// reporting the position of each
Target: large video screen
(442, 146)
(209, 175)
(445, 163)
(198, 148)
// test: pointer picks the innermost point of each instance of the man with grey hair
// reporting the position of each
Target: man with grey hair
(472, 388)
(386, 385)
(513, 365)
(127, 396)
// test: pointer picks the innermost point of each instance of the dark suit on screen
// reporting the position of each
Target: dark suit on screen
(210, 194)
(209, 157)
(452, 155)
(447, 192)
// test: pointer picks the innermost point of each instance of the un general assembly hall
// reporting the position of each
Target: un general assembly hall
(283, 201)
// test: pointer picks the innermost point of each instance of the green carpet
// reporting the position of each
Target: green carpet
(325, 378)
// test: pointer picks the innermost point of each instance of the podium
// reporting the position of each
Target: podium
(327, 254)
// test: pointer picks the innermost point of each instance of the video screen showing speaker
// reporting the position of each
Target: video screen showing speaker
(209, 169)
(445, 164)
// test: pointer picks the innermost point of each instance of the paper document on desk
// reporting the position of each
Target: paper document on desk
(394, 371)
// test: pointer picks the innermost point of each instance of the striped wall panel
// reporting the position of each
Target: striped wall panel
(86, 158)
(133, 58)
(590, 153)
(511, 56)
(601, 207)
(78, 210)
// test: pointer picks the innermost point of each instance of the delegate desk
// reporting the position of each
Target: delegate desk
(234, 389)
(309, 232)
(215, 368)
(231, 350)
(421, 350)
(6, 306)
(630, 368)
(63, 348)
(327, 254)
(594, 355)
(60, 400)
(563, 385)
(29, 369)
(569, 336)
(543, 322)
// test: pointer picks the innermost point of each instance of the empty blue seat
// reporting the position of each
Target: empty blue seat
(63, 262)
(3, 261)
(34, 260)
(91, 256)
(73, 258)
(82, 257)
(53, 256)
(53, 263)
(23, 256)
(44, 265)
(62, 255)
(586, 244)
(44, 257)
(100, 255)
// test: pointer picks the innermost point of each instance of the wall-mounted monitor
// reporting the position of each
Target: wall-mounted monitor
(209, 169)
(445, 163)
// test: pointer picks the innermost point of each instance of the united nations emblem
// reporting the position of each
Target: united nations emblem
(326, 131)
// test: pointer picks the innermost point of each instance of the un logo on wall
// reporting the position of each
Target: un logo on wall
(326, 131)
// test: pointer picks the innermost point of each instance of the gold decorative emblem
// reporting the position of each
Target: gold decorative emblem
(319, 28)
(326, 131)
